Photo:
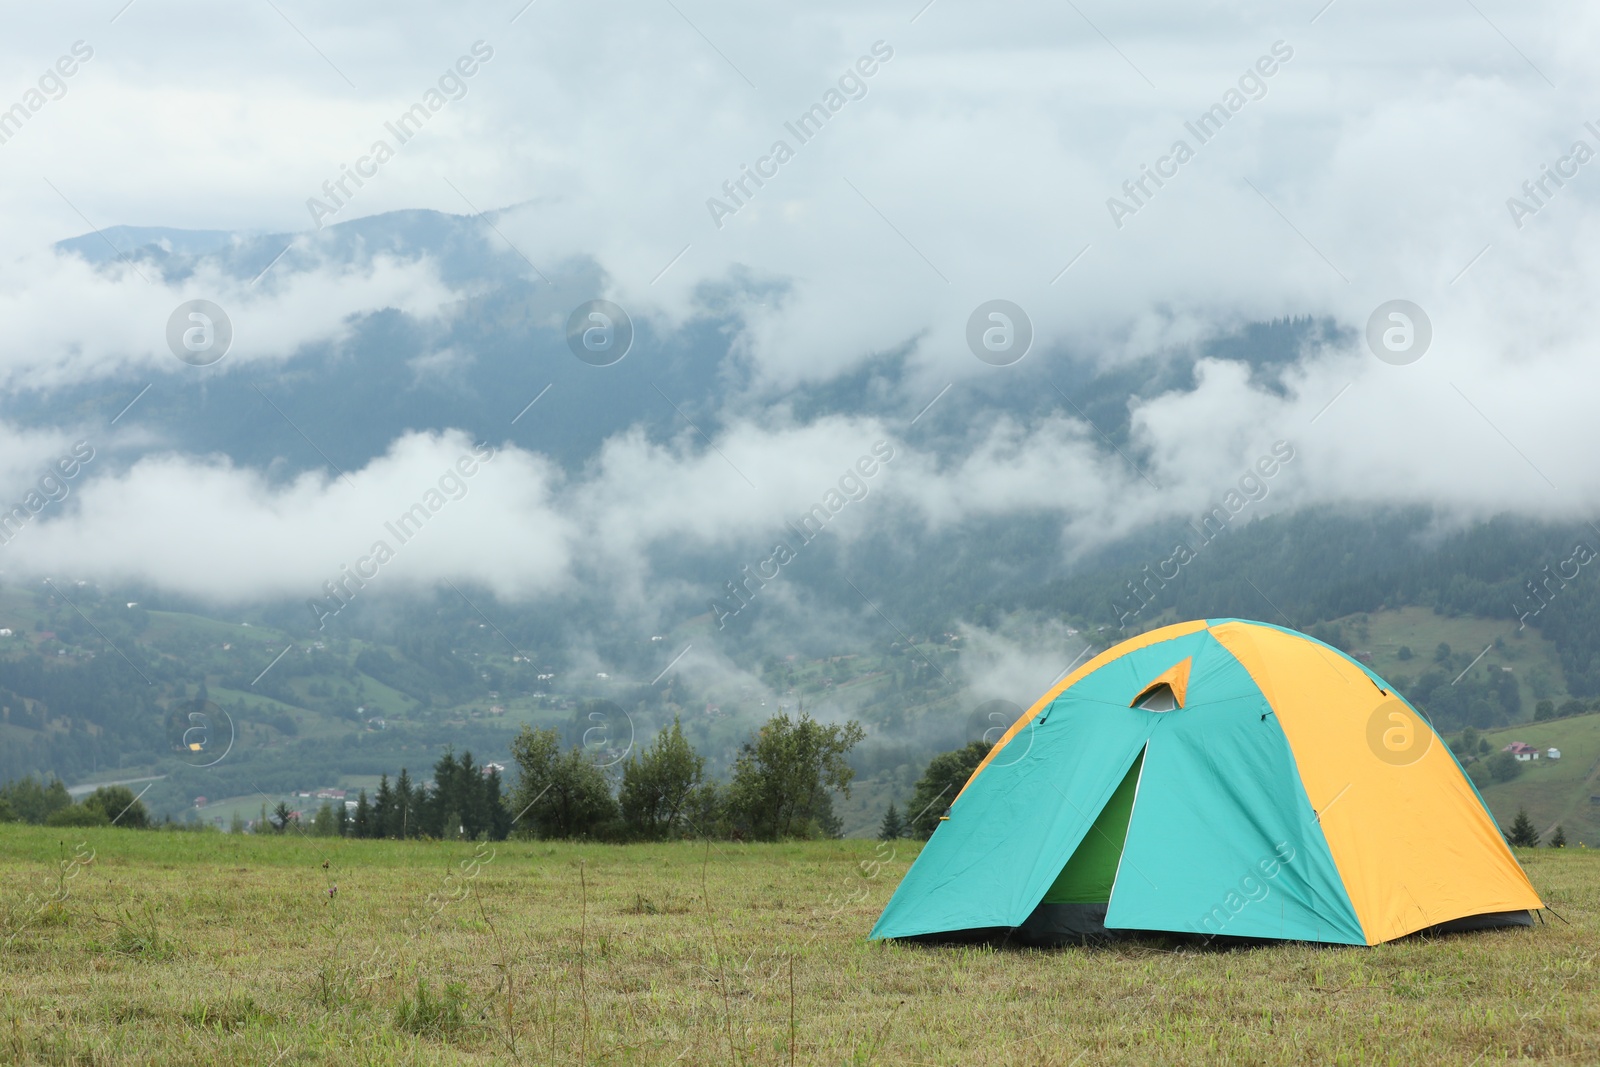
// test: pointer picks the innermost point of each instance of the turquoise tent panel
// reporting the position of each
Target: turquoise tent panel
(1223, 840)
(1013, 829)
(1017, 823)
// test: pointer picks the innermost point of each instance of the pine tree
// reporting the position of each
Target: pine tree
(472, 800)
(402, 820)
(499, 819)
(1559, 838)
(437, 811)
(1522, 832)
(892, 829)
(382, 809)
(363, 823)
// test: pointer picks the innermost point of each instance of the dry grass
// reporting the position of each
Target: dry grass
(210, 949)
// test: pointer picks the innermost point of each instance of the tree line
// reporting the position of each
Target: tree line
(30, 800)
(782, 787)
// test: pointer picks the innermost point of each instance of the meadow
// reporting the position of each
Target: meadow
(132, 947)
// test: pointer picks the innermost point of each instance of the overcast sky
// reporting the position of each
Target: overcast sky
(1369, 154)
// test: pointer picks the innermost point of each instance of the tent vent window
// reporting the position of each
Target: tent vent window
(1157, 698)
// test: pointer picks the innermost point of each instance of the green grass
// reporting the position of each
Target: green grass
(217, 949)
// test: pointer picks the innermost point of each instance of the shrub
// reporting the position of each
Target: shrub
(77, 815)
(120, 806)
(1503, 766)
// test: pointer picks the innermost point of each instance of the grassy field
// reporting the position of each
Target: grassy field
(139, 947)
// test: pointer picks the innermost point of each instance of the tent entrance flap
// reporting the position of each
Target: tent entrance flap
(1089, 873)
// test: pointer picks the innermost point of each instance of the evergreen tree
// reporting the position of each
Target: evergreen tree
(1559, 838)
(282, 816)
(498, 824)
(892, 829)
(236, 826)
(364, 821)
(341, 819)
(441, 806)
(472, 797)
(402, 820)
(1522, 832)
(382, 809)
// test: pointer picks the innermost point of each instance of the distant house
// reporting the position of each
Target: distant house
(5, 633)
(199, 802)
(330, 794)
(492, 768)
(376, 723)
(1552, 753)
(497, 709)
(1522, 750)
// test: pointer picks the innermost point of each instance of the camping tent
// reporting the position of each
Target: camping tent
(1220, 778)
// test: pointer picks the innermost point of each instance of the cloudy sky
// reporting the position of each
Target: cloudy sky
(1358, 154)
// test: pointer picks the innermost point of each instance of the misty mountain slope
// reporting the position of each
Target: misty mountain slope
(434, 669)
(502, 341)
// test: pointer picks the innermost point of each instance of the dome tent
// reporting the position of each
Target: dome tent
(1218, 778)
